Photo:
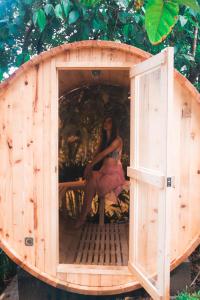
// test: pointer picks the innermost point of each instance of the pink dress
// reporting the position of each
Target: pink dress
(111, 175)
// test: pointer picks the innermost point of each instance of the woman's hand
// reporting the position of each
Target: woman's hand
(88, 171)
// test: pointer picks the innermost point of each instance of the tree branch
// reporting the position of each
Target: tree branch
(194, 46)
(26, 41)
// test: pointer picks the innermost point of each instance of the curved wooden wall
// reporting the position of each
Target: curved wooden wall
(27, 205)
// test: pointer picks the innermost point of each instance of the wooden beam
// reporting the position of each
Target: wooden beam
(92, 269)
(149, 176)
(148, 65)
(87, 65)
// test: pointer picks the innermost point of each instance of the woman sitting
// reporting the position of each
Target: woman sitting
(110, 176)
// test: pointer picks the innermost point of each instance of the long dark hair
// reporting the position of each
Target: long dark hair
(104, 142)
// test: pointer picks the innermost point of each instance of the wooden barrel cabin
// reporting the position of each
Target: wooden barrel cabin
(163, 171)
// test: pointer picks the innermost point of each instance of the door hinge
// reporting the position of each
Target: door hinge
(171, 181)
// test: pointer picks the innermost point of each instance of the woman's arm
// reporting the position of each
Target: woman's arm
(98, 148)
(115, 144)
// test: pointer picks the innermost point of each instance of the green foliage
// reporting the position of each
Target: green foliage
(73, 16)
(116, 209)
(39, 18)
(81, 113)
(89, 2)
(161, 16)
(66, 6)
(59, 11)
(188, 296)
(190, 3)
(49, 9)
(160, 19)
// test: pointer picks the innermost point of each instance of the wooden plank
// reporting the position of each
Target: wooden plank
(124, 245)
(47, 164)
(72, 251)
(112, 245)
(118, 246)
(3, 162)
(79, 184)
(164, 209)
(107, 244)
(86, 246)
(102, 246)
(97, 246)
(53, 253)
(28, 166)
(92, 245)
(149, 176)
(88, 65)
(114, 280)
(148, 65)
(6, 176)
(18, 170)
(38, 193)
(82, 244)
(92, 269)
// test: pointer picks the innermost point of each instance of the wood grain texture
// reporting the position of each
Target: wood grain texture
(28, 197)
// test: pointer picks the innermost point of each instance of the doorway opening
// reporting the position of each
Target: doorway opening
(85, 98)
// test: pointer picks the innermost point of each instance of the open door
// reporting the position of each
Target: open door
(150, 172)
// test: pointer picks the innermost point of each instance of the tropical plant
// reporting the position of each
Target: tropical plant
(81, 115)
(188, 296)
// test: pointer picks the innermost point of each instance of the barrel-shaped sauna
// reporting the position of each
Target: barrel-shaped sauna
(164, 170)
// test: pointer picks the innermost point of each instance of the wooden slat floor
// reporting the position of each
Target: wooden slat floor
(93, 244)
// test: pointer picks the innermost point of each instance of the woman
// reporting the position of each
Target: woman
(110, 177)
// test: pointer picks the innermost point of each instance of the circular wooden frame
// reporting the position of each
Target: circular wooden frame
(78, 288)
(88, 44)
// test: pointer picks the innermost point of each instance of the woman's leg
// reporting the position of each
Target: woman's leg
(90, 191)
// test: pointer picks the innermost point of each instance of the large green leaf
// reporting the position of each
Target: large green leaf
(190, 3)
(160, 18)
(49, 10)
(39, 18)
(66, 6)
(73, 16)
(124, 3)
(58, 11)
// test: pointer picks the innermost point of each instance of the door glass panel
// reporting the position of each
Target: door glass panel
(151, 156)
(147, 245)
(151, 114)
(152, 120)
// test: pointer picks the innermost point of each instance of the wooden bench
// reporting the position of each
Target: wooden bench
(79, 185)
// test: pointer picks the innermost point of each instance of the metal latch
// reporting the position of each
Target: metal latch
(171, 181)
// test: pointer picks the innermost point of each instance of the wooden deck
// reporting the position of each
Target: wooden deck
(93, 244)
